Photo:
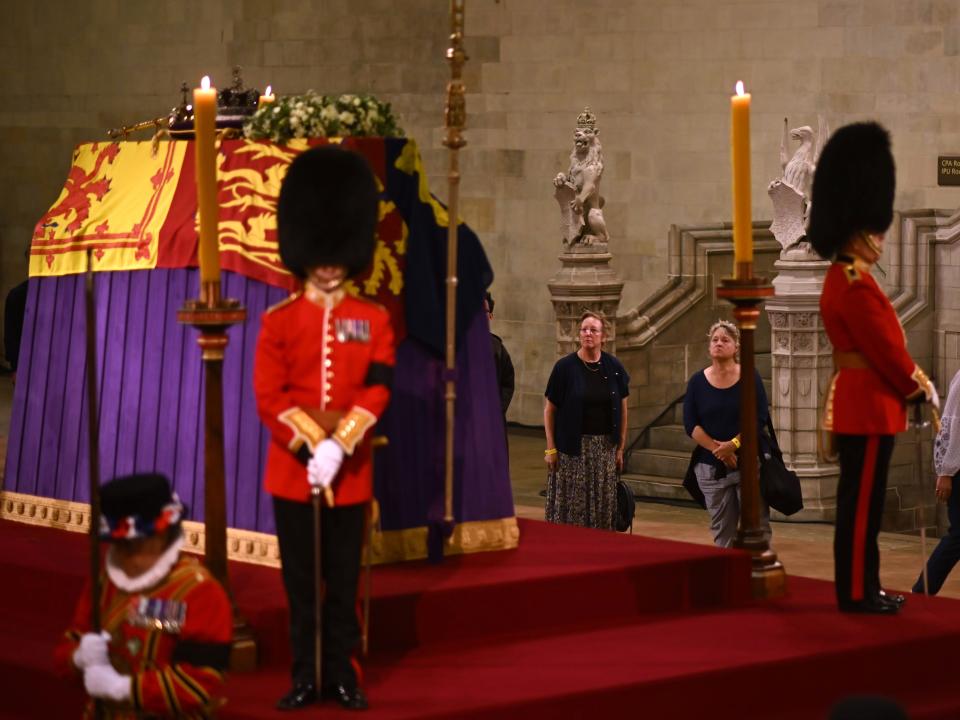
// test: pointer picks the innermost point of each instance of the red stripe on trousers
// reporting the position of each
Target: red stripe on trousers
(861, 517)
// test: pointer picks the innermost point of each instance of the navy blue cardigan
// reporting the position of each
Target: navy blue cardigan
(565, 389)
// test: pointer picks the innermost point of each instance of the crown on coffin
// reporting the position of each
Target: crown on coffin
(587, 120)
(234, 106)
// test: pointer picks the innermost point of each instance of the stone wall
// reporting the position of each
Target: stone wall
(656, 72)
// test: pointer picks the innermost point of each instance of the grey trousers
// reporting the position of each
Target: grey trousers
(722, 496)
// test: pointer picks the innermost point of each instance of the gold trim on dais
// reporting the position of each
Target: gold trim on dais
(262, 549)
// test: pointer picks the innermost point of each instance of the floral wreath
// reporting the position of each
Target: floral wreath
(311, 115)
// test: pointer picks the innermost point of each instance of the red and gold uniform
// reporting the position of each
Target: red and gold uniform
(322, 353)
(865, 408)
(875, 374)
(172, 639)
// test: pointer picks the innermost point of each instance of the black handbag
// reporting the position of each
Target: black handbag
(626, 507)
(779, 486)
(692, 485)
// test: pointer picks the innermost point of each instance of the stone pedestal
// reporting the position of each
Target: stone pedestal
(584, 282)
(802, 366)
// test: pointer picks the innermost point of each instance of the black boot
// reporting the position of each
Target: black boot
(871, 605)
(300, 695)
(892, 598)
(349, 697)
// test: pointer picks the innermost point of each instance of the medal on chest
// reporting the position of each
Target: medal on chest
(352, 330)
(158, 614)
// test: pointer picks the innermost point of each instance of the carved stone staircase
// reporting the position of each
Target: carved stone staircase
(657, 460)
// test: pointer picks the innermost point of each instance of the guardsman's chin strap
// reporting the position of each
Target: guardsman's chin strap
(327, 295)
(871, 243)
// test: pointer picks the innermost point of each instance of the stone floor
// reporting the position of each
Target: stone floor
(803, 548)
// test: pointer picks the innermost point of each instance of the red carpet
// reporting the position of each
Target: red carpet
(574, 623)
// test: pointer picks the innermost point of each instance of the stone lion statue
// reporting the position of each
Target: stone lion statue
(578, 191)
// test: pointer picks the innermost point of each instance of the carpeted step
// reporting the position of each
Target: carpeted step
(559, 578)
(789, 659)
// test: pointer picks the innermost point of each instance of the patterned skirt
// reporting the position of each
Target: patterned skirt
(583, 490)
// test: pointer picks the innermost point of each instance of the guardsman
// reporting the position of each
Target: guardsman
(323, 368)
(167, 623)
(852, 207)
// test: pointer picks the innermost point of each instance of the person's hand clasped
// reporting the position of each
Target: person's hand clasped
(325, 464)
(944, 488)
(726, 452)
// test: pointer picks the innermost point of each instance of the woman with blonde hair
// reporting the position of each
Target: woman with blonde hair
(711, 416)
(585, 419)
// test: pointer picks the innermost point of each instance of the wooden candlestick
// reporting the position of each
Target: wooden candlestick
(747, 293)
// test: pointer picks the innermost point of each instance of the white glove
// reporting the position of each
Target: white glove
(92, 650)
(325, 463)
(934, 398)
(102, 681)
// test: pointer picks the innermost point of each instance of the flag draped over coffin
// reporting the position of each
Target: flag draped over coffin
(132, 205)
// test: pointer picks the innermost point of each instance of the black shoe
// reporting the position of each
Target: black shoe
(351, 698)
(874, 606)
(300, 695)
(892, 598)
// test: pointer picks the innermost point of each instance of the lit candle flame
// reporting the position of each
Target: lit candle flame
(205, 83)
(269, 90)
(740, 87)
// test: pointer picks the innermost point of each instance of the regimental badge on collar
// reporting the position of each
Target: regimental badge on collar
(158, 614)
(351, 329)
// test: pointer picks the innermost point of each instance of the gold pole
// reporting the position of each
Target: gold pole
(455, 118)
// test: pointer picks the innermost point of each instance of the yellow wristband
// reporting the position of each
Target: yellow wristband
(736, 442)
(551, 451)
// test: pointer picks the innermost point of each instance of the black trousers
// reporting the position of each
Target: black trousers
(947, 552)
(864, 461)
(342, 538)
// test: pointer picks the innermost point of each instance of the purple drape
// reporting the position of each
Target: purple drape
(150, 383)
(416, 425)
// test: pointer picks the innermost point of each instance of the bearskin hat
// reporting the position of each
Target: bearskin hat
(853, 187)
(327, 211)
(138, 506)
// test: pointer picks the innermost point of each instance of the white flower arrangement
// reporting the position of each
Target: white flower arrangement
(312, 115)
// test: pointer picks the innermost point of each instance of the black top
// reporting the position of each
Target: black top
(505, 375)
(566, 389)
(717, 411)
(597, 413)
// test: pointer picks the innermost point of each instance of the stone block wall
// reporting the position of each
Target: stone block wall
(657, 73)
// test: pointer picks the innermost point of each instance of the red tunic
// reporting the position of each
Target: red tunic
(875, 373)
(314, 357)
(166, 638)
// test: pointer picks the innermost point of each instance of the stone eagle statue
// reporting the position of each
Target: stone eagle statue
(791, 192)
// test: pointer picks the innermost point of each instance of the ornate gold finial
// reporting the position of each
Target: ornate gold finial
(587, 120)
(455, 112)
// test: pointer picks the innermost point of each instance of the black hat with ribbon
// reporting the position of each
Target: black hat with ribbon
(138, 506)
